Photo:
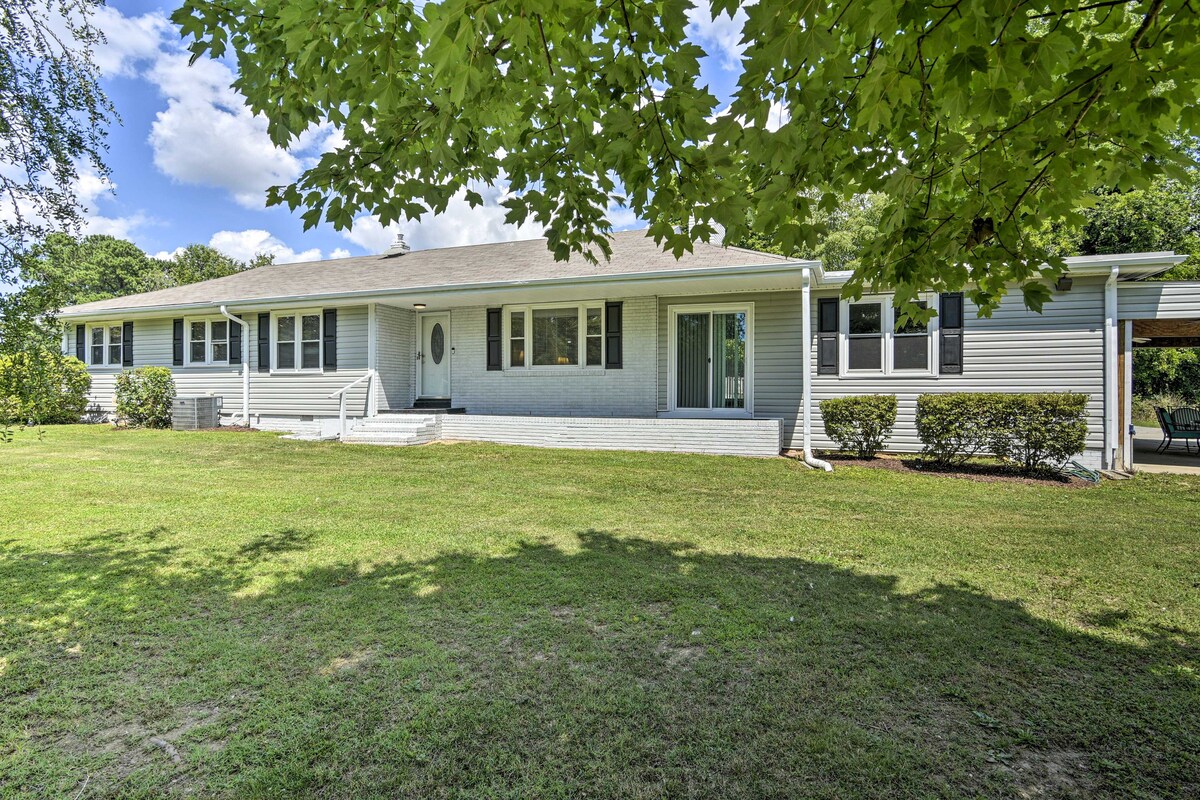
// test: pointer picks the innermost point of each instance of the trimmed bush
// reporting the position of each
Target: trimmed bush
(42, 387)
(860, 423)
(1042, 431)
(144, 396)
(957, 426)
(1037, 431)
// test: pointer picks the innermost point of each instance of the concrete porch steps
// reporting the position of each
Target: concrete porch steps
(397, 430)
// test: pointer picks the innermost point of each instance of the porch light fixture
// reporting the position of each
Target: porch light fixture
(419, 306)
(1064, 283)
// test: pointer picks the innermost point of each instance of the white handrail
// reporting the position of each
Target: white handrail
(370, 375)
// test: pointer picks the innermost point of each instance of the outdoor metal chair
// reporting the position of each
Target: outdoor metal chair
(1182, 423)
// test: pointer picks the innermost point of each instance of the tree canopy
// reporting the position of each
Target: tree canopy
(1163, 216)
(981, 122)
(53, 116)
(845, 233)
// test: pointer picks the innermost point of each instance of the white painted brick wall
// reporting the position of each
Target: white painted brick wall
(396, 355)
(627, 392)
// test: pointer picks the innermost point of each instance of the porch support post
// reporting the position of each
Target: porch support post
(1111, 400)
(373, 359)
(806, 361)
(1127, 395)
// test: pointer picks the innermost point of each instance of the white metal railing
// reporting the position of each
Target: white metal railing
(371, 376)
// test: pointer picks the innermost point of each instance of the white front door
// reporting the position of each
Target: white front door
(433, 372)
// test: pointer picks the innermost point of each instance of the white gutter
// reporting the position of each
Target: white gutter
(245, 363)
(1110, 368)
(385, 294)
(806, 361)
(1135, 265)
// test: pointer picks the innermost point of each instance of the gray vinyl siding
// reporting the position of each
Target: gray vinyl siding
(1158, 300)
(777, 384)
(395, 354)
(278, 394)
(591, 391)
(1015, 350)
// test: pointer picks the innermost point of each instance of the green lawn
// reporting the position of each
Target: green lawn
(238, 615)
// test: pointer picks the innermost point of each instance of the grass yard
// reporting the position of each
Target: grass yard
(241, 616)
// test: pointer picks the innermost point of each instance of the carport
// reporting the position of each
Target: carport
(1152, 314)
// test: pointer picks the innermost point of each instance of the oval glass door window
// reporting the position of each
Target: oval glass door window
(437, 343)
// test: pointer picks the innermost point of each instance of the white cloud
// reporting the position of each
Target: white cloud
(340, 252)
(778, 116)
(129, 41)
(624, 219)
(120, 227)
(164, 255)
(207, 136)
(720, 36)
(90, 187)
(244, 245)
(459, 225)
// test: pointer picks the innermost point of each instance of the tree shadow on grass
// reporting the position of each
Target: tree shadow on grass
(624, 668)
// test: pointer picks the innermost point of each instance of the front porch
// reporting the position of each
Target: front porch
(743, 437)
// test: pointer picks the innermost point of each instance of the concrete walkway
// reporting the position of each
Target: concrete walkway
(1176, 460)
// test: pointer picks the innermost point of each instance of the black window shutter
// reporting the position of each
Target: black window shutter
(235, 342)
(951, 314)
(330, 336)
(264, 342)
(613, 313)
(177, 343)
(828, 309)
(81, 343)
(127, 344)
(495, 347)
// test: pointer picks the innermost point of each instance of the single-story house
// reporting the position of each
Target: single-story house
(723, 350)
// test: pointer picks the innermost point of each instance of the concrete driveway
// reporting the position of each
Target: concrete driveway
(1175, 460)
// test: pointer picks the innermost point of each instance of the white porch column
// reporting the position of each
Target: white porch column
(1111, 401)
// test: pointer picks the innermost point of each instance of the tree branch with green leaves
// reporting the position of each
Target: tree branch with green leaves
(980, 123)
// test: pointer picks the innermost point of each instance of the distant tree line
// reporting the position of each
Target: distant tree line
(63, 270)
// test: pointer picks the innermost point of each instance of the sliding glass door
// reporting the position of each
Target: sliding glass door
(691, 359)
(711, 359)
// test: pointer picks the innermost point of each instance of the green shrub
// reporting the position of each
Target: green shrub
(1037, 431)
(144, 395)
(42, 387)
(957, 426)
(861, 423)
(1042, 431)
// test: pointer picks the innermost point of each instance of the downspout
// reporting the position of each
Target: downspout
(1110, 369)
(245, 364)
(806, 360)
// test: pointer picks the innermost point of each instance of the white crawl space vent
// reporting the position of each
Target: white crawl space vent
(195, 413)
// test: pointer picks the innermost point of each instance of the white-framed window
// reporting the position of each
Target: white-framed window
(874, 340)
(104, 344)
(207, 340)
(555, 335)
(296, 341)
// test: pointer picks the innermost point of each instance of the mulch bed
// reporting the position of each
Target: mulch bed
(981, 472)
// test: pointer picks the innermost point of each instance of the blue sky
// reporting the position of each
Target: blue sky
(191, 164)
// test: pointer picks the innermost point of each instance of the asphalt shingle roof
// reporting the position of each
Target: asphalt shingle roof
(632, 253)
